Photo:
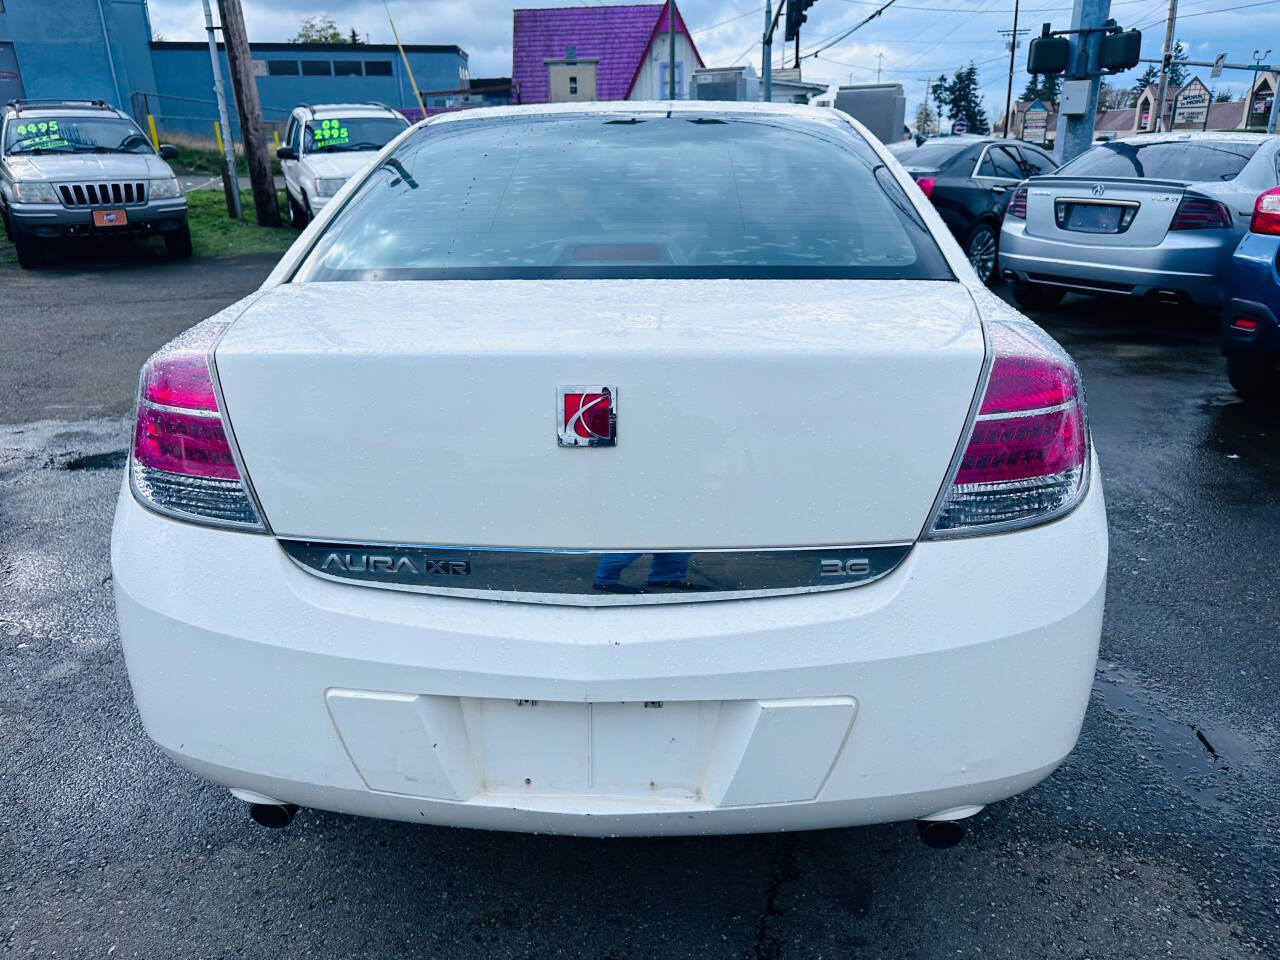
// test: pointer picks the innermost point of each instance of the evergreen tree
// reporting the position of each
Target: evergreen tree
(958, 97)
(1149, 76)
(1177, 69)
(1042, 87)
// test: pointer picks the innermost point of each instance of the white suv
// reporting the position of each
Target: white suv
(325, 144)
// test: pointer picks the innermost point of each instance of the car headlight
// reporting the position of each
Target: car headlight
(165, 189)
(35, 191)
(327, 188)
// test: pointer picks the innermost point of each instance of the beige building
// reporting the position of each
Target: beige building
(1189, 107)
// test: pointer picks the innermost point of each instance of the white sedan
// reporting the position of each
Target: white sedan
(616, 469)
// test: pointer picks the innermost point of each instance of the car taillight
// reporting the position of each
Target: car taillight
(1244, 324)
(1027, 454)
(926, 185)
(1200, 213)
(1266, 213)
(1017, 204)
(182, 460)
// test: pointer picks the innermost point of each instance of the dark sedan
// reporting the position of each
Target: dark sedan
(970, 180)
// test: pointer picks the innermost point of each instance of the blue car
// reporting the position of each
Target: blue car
(1250, 331)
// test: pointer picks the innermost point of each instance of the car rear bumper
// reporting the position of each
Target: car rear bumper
(1254, 290)
(1191, 265)
(960, 679)
(52, 220)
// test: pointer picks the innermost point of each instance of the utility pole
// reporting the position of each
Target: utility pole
(1075, 131)
(767, 49)
(265, 201)
(671, 49)
(230, 182)
(1013, 48)
(1167, 59)
(880, 60)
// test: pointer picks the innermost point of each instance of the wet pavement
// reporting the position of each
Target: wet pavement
(1156, 838)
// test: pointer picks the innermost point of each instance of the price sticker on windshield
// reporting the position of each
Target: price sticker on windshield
(330, 133)
(38, 135)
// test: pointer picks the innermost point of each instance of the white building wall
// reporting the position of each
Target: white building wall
(648, 82)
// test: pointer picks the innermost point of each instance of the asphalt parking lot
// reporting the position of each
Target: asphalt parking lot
(1157, 838)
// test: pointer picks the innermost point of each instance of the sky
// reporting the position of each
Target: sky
(910, 42)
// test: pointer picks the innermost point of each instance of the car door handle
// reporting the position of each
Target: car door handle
(998, 188)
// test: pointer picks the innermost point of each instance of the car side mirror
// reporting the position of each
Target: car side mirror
(168, 151)
(286, 153)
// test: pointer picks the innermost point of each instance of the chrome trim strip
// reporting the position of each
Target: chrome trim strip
(1037, 412)
(185, 411)
(580, 577)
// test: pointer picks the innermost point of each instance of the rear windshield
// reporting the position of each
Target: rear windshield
(932, 154)
(1171, 160)
(613, 196)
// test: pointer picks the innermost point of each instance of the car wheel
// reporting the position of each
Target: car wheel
(32, 250)
(177, 243)
(981, 250)
(297, 215)
(1253, 377)
(1037, 297)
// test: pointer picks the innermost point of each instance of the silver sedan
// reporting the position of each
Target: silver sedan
(1155, 216)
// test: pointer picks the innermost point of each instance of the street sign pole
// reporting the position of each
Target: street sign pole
(1075, 133)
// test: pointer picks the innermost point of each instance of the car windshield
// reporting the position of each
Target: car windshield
(359, 133)
(1198, 161)
(74, 135)
(613, 196)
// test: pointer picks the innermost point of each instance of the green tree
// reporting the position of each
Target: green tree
(1042, 87)
(1177, 68)
(1149, 76)
(318, 28)
(958, 97)
(1222, 96)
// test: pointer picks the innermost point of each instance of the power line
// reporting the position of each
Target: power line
(857, 26)
(749, 13)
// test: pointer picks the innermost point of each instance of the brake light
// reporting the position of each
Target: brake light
(1266, 213)
(1027, 453)
(926, 185)
(1200, 213)
(183, 464)
(1017, 204)
(1245, 324)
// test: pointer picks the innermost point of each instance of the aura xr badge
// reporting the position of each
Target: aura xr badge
(587, 416)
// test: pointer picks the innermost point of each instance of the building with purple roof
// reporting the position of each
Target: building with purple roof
(598, 53)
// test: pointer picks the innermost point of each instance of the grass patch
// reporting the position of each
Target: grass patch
(214, 234)
(203, 157)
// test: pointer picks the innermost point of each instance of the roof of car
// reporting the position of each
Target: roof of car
(633, 107)
(1177, 136)
(52, 108)
(326, 111)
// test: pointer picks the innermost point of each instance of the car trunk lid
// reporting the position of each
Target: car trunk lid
(1102, 212)
(749, 413)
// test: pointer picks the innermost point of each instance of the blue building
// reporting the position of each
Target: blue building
(103, 49)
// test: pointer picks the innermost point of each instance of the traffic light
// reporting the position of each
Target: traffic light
(1167, 64)
(1120, 51)
(795, 16)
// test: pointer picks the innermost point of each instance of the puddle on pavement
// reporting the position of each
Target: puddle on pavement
(1203, 761)
(112, 460)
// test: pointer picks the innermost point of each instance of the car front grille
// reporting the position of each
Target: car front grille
(102, 194)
